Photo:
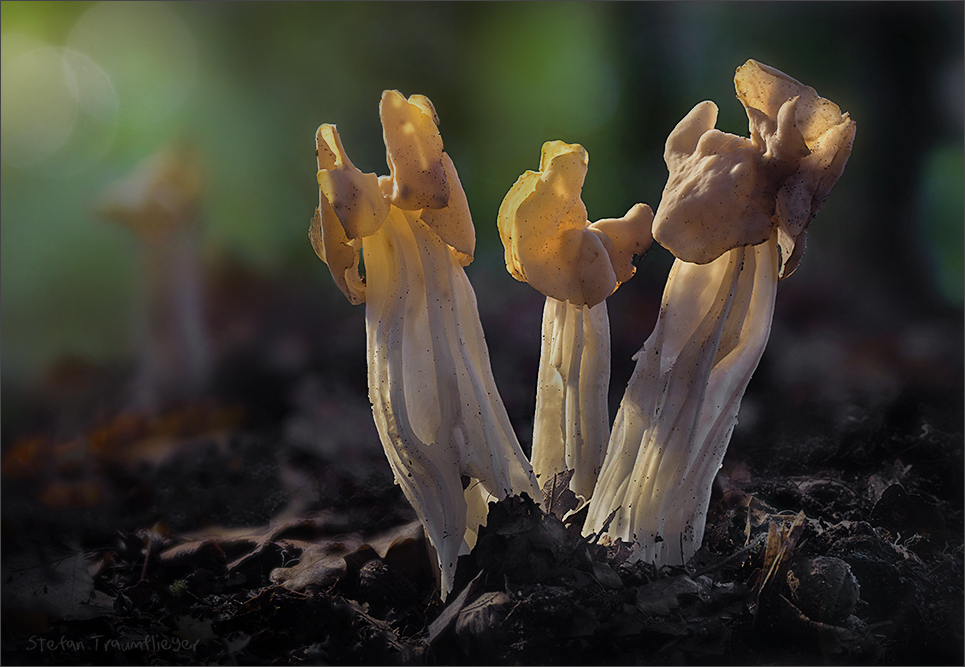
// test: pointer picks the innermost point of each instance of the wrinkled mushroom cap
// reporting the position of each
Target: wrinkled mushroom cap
(422, 176)
(716, 196)
(423, 183)
(827, 133)
(725, 191)
(549, 242)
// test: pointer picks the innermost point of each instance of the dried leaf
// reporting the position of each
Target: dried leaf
(604, 527)
(320, 565)
(239, 545)
(558, 499)
(606, 577)
(187, 552)
(448, 616)
(57, 584)
(780, 546)
(479, 626)
(662, 597)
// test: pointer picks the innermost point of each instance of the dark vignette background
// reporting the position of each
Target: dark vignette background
(867, 346)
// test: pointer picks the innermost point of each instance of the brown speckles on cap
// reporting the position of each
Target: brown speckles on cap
(550, 244)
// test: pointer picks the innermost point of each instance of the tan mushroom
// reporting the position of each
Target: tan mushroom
(734, 212)
(435, 403)
(550, 244)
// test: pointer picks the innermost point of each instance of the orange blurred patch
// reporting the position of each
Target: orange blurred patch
(73, 495)
(27, 458)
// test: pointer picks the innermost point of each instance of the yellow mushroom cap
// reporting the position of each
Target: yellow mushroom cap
(423, 177)
(350, 207)
(548, 240)
(767, 89)
(626, 238)
(453, 223)
(423, 183)
(355, 197)
(338, 252)
(414, 152)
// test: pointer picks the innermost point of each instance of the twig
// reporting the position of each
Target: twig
(734, 556)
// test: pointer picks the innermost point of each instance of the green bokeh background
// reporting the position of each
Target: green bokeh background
(250, 82)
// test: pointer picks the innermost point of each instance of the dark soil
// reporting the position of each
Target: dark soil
(260, 525)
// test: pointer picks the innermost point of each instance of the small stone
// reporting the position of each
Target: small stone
(380, 584)
(824, 589)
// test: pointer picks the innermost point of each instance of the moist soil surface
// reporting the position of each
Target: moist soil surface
(259, 523)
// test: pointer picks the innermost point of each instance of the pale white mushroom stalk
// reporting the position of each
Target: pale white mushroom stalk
(734, 213)
(441, 421)
(159, 201)
(550, 244)
(571, 425)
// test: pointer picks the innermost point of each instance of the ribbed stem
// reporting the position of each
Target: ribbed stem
(571, 426)
(681, 404)
(435, 403)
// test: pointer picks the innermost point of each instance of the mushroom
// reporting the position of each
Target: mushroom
(442, 424)
(550, 244)
(159, 201)
(734, 213)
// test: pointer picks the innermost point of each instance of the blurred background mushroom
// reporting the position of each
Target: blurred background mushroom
(159, 203)
(90, 88)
